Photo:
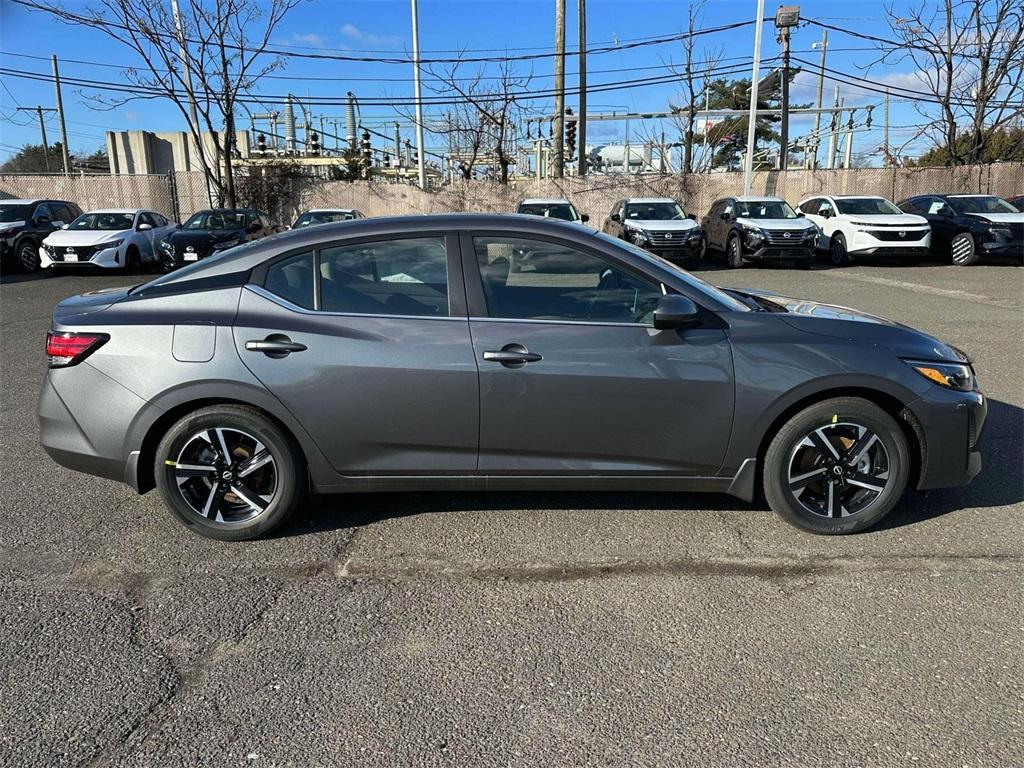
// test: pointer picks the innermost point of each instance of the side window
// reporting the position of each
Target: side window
(811, 206)
(63, 212)
(264, 221)
(935, 205)
(160, 220)
(42, 210)
(554, 281)
(145, 218)
(728, 207)
(388, 277)
(292, 279)
(825, 209)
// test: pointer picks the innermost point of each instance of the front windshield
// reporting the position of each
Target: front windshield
(867, 206)
(321, 217)
(14, 212)
(655, 211)
(727, 301)
(562, 211)
(764, 209)
(981, 205)
(211, 220)
(105, 221)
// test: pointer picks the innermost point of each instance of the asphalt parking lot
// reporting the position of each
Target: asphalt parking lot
(523, 629)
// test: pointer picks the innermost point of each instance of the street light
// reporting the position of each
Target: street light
(786, 17)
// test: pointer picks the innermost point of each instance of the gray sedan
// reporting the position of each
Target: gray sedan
(493, 352)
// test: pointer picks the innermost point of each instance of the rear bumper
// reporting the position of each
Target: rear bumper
(949, 426)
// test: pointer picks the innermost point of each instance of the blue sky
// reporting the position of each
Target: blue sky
(497, 25)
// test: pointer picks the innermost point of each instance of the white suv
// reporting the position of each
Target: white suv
(864, 225)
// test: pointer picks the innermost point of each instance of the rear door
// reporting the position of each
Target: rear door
(366, 345)
(573, 377)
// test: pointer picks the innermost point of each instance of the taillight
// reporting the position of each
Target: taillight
(64, 349)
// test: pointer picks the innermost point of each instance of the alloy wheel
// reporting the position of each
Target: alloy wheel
(225, 475)
(962, 249)
(838, 470)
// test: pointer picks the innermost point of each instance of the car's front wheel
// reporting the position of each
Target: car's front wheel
(28, 256)
(838, 466)
(734, 252)
(228, 472)
(962, 250)
(839, 252)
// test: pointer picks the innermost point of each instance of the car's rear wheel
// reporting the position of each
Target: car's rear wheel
(962, 250)
(838, 251)
(28, 256)
(228, 472)
(734, 252)
(838, 466)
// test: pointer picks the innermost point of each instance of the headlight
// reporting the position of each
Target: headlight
(753, 236)
(692, 234)
(110, 244)
(999, 233)
(950, 375)
(226, 244)
(166, 247)
(638, 236)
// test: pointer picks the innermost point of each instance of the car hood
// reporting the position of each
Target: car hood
(855, 325)
(661, 225)
(5, 225)
(84, 237)
(1000, 218)
(184, 238)
(90, 301)
(776, 223)
(891, 219)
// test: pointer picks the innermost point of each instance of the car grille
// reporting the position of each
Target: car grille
(83, 252)
(897, 235)
(785, 236)
(668, 239)
(201, 251)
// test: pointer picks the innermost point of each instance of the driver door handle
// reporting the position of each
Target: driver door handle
(512, 356)
(275, 345)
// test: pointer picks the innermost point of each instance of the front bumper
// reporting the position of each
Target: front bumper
(777, 253)
(108, 258)
(1002, 248)
(948, 426)
(914, 252)
(684, 252)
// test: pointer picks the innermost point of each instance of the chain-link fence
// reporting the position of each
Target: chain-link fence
(285, 195)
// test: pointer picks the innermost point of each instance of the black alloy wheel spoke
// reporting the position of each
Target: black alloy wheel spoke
(802, 481)
(859, 448)
(214, 502)
(822, 444)
(862, 480)
(249, 496)
(194, 470)
(260, 458)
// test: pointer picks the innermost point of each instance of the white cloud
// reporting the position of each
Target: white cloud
(353, 32)
(311, 40)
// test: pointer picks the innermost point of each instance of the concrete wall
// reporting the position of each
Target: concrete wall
(161, 152)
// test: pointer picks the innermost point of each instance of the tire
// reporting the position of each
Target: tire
(802, 485)
(132, 261)
(28, 256)
(838, 252)
(734, 252)
(229, 501)
(962, 250)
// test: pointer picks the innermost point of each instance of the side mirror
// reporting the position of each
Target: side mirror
(615, 217)
(254, 227)
(799, 213)
(724, 216)
(584, 217)
(675, 311)
(64, 226)
(692, 216)
(144, 227)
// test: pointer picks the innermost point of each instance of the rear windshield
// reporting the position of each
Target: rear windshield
(655, 211)
(211, 220)
(106, 221)
(981, 205)
(867, 206)
(15, 212)
(321, 217)
(764, 209)
(562, 211)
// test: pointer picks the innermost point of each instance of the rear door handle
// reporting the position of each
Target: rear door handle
(275, 345)
(512, 356)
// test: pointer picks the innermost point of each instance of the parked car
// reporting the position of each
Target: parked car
(657, 224)
(967, 228)
(866, 225)
(554, 208)
(25, 223)
(762, 229)
(402, 354)
(213, 230)
(115, 238)
(326, 216)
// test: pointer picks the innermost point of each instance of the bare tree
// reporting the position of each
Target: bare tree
(222, 45)
(482, 123)
(969, 57)
(696, 77)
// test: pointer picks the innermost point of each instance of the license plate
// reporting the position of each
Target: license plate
(191, 257)
(70, 257)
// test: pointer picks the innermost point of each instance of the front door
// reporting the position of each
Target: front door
(362, 344)
(574, 379)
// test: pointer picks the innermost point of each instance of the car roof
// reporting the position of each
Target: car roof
(545, 201)
(649, 200)
(853, 197)
(329, 210)
(17, 201)
(119, 210)
(758, 199)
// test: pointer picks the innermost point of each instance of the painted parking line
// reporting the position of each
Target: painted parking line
(950, 293)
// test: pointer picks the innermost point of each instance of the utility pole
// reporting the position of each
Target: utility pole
(581, 123)
(42, 130)
(706, 159)
(60, 118)
(885, 128)
(559, 124)
(821, 90)
(420, 159)
(832, 132)
(186, 70)
(787, 17)
(748, 160)
(848, 156)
